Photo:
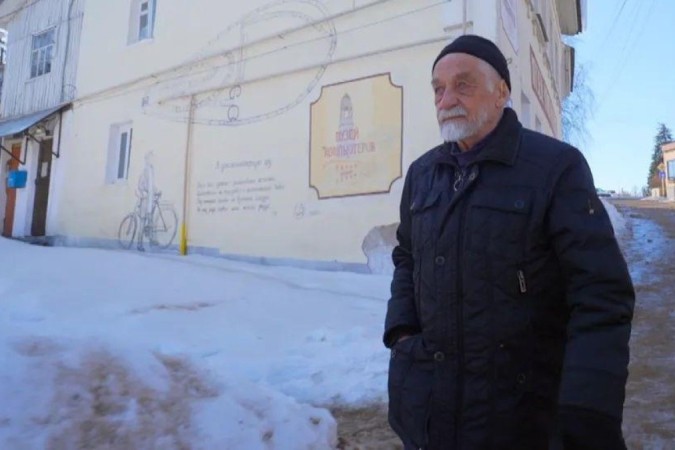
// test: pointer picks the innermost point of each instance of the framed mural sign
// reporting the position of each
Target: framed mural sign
(356, 137)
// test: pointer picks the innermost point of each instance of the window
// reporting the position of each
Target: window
(119, 152)
(3, 47)
(142, 23)
(42, 51)
(541, 13)
(147, 19)
(671, 170)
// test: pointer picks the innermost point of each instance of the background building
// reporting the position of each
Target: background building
(3, 55)
(669, 166)
(38, 86)
(282, 133)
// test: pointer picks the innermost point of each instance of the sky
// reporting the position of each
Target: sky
(629, 49)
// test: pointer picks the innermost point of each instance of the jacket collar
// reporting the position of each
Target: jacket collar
(501, 146)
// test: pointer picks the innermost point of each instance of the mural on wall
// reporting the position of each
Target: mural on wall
(356, 137)
(242, 187)
(151, 219)
(218, 76)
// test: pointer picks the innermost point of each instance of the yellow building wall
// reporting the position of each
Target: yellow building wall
(252, 71)
(253, 133)
(90, 207)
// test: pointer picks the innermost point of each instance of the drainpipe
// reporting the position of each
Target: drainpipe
(464, 16)
(67, 52)
(186, 179)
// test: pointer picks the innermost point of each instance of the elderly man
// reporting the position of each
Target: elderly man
(511, 302)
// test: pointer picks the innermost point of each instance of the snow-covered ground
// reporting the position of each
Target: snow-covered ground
(108, 349)
(642, 241)
(649, 416)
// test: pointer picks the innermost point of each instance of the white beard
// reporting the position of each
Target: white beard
(456, 130)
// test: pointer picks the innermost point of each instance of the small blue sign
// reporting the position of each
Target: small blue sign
(662, 174)
(16, 179)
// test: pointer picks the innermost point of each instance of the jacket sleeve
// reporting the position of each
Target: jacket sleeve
(401, 314)
(599, 294)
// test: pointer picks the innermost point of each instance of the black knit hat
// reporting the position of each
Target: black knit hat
(480, 48)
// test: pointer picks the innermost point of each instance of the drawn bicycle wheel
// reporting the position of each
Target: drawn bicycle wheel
(164, 227)
(127, 231)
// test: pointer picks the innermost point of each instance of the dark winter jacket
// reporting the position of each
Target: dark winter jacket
(510, 278)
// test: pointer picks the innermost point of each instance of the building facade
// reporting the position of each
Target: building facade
(669, 172)
(38, 86)
(283, 132)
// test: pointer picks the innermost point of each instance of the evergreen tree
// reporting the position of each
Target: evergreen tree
(663, 136)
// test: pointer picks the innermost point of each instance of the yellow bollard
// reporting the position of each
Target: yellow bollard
(183, 239)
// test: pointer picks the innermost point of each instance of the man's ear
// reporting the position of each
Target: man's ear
(503, 93)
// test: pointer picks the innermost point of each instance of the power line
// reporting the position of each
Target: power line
(614, 22)
(626, 52)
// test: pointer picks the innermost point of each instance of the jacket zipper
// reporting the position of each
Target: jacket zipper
(460, 312)
(521, 282)
(460, 309)
(460, 331)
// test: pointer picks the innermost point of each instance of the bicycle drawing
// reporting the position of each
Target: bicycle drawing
(151, 219)
(159, 226)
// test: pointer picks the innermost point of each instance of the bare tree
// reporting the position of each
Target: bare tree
(578, 108)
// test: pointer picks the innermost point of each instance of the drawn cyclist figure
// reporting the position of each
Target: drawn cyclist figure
(146, 191)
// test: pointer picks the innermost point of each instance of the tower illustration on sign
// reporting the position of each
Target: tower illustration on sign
(356, 137)
(347, 131)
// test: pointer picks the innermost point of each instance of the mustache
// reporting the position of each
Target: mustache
(457, 111)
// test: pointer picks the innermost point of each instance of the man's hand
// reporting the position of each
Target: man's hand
(402, 338)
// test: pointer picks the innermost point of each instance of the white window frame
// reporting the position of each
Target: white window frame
(142, 11)
(119, 152)
(670, 170)
(149, 15)
(41, 58)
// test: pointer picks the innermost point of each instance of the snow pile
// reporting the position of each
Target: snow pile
(618, 220)
(63, 396)
(108, 349)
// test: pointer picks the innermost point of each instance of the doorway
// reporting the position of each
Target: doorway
(44, 170)
(10, 207)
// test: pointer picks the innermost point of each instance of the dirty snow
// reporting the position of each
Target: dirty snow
(104, 348)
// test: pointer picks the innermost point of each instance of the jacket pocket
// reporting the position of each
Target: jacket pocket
(422, 211)
(498, 223)
(411, 373)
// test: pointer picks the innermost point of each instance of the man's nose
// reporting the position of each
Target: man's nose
(448, 100)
